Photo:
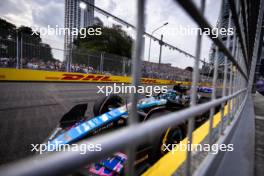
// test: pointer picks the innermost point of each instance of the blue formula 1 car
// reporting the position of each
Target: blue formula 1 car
(205, 89)
(110, 113)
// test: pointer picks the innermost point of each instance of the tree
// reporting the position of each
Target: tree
(112, 40)
(28, 35)
(190, 69)
(113, 45)
(7, 29)
(32, 45)
(45, 53)
(7, 39)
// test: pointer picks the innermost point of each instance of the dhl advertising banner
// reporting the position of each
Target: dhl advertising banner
(7, 74)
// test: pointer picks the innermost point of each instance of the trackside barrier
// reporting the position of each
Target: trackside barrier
(8, 74)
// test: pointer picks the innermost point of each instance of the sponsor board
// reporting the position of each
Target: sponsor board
(7, 74)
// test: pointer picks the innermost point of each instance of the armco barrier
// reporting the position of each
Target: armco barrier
(7, 74)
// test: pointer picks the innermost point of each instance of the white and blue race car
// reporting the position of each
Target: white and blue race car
(110, 113)
(205, 89)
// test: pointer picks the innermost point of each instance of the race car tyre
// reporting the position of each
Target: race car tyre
(169, 138)
(203, 100)
(174, 134)
(103, 104)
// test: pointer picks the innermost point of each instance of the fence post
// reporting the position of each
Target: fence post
(225, 76)
(124, 66)
(17, 51)
(136, 76)
(88, 63)
(102, 63)
(21, 51)
(195, 80)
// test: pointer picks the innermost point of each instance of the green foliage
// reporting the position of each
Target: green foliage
(27, 33)
(32, 45)
(112, 40)
(7, 30)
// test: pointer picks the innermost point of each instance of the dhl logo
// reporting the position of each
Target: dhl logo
(103, 78)
(148, 81)
(156, 81)
(86, 77)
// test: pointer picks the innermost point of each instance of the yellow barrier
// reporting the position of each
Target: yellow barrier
(170, 162)
(7, 74)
